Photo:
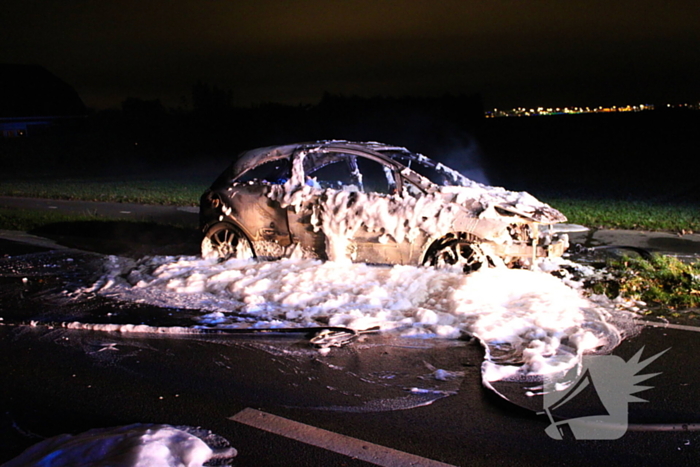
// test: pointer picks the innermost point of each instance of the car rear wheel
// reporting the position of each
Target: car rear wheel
(452, 252)
(226, 241)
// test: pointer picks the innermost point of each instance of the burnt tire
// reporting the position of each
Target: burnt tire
(225, 241)
(455, 252)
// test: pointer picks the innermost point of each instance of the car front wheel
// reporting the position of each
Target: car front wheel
(226, 241)
(455, 252)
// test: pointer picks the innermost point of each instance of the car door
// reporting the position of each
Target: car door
(262, 218)
(352, 196)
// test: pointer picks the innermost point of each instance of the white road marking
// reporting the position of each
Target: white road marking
(351, 447)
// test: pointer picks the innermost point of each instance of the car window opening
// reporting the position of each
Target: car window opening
(275, 172)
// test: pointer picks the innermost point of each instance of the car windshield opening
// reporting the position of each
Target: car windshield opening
(433, 171)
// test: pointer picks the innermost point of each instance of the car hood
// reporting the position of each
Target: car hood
(496, 203)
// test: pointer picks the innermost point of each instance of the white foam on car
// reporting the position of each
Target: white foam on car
(339, 214)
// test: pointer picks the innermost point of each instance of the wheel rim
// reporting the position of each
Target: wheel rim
(470, 257)
(225, 242)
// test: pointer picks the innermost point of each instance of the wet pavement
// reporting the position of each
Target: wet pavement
(379, 389)
(682, 245)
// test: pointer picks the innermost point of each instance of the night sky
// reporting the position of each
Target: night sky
(512, 52)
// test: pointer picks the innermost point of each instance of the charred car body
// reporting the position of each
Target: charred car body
(372, 203)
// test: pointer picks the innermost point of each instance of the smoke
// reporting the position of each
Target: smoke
(464, 154)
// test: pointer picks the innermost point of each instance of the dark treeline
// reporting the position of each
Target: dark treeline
(632, 155)
(649, 155)
(143, 135)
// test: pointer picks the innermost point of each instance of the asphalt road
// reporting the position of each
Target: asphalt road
(57, 380)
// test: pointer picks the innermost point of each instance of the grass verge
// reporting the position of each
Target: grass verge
(669, 287)
(633, 215)
(162, 192)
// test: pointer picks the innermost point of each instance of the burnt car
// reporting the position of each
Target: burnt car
(373, 203)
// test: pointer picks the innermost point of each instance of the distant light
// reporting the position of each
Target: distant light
(540, 111)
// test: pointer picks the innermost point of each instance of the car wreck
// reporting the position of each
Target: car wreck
(373, 203)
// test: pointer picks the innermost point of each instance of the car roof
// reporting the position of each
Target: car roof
(390, 153)
(254, 157)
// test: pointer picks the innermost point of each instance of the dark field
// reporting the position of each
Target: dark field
(647, 156)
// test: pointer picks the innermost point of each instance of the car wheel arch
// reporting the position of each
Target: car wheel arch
(231, 226)
(437, 245)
